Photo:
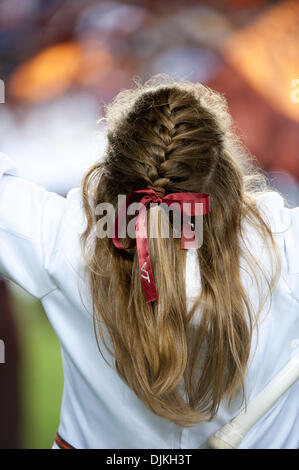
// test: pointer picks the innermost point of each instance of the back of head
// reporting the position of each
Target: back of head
(176, 136)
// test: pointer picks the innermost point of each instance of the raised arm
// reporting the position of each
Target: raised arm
(30, 218)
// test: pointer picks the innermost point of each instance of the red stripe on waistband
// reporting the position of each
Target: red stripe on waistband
(62, 443)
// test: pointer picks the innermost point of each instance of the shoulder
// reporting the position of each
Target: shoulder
(284, 224)
(72, 220)
(283, 220)
(272, 207)
(67, 247)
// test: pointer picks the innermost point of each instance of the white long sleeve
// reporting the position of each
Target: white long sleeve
(30, 218)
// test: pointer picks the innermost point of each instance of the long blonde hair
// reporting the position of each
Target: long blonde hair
(177, 135)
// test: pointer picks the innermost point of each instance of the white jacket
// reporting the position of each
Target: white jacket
(40, 251)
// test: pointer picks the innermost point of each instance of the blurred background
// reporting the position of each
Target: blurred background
(60, 62)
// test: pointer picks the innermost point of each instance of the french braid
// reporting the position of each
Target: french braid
(177, 137)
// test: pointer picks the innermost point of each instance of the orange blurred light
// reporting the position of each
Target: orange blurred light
(48, 74)
(54, 70)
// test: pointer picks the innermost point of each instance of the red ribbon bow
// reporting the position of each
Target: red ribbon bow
(150, 197)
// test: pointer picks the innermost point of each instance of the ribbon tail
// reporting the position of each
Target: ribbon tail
(145, 267)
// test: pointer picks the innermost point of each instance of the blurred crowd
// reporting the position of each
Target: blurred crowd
(62, 60)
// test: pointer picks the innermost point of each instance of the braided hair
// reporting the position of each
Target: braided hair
(181, 361)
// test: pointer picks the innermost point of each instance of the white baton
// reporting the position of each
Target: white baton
(231, 434)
